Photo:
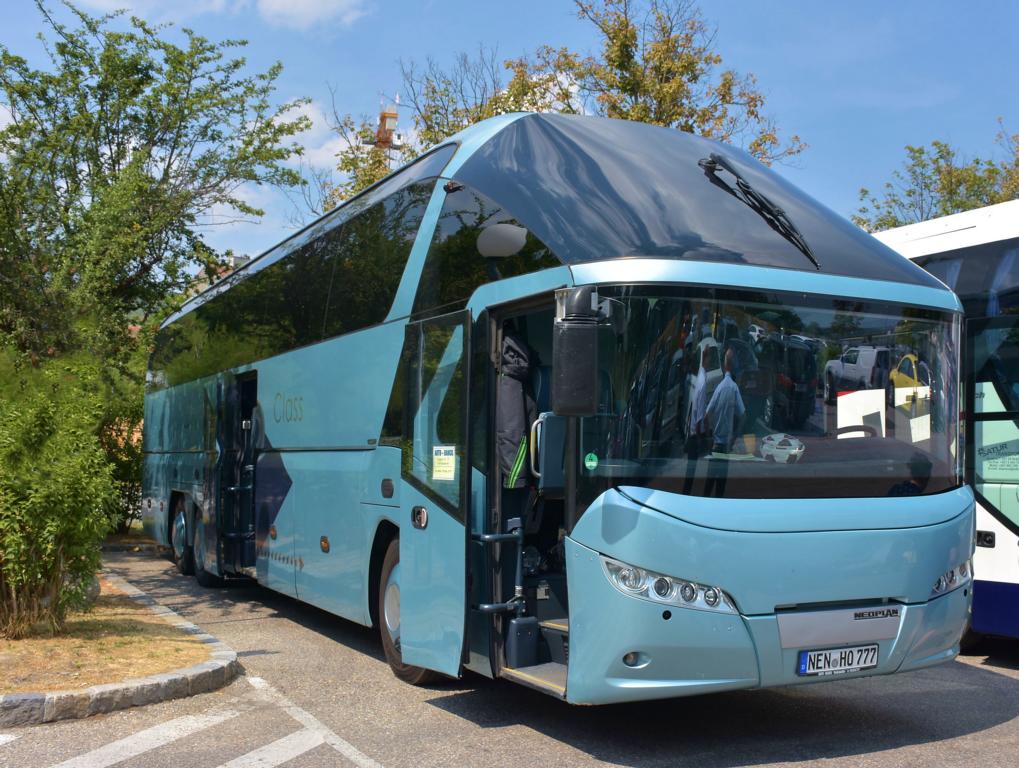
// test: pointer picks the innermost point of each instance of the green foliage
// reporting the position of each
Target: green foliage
(123, 145)
(114, 155)
(57, 492)
(657, 64)
(934, 181)
(361, 162)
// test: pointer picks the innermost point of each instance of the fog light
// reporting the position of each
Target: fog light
(964, 569)
(939, 584)
(663, 587)
(631, 659)
(688, 592)
(711, 596)
(951, 577)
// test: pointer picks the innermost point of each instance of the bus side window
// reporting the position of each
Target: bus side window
(454, 268)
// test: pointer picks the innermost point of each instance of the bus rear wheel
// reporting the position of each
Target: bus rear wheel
(180, 545)
(202, 576)
(389, 620)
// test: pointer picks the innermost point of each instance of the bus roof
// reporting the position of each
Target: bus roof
(960, 230)
(595, 189)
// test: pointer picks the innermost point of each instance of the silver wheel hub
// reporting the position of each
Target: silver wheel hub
(391, 606)
(179, 529)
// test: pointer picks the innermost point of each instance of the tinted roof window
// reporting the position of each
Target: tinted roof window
(595, 188)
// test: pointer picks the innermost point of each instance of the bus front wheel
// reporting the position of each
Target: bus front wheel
(180, 545)
(389, 620)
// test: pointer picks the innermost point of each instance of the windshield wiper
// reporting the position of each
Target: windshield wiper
(761, 205)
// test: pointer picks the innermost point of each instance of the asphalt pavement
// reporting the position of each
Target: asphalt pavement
(317, 692)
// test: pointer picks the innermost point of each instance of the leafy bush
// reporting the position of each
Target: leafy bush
(57, 492)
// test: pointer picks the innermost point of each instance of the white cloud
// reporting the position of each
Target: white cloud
(320, 143)
(295, 14)
(162, 10)
(303, 14)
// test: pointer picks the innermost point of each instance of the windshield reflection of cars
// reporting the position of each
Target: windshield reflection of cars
(782, 397)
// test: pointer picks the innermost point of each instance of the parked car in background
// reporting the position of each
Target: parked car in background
(863, 367)
(911, 374)
(794, 363)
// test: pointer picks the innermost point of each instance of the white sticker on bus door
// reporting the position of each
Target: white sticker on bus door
(444, 462)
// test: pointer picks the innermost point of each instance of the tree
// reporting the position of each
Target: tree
(120, 151)
(115, 157)
(932, 182)
(657, 64)
(935, 181)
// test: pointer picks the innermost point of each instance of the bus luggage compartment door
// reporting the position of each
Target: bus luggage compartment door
(436, 471)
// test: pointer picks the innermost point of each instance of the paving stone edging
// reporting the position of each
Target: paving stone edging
(31, 708)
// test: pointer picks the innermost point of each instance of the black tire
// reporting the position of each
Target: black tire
(181, 553)
(970, 640)
(390, 640)
(768, 414)
(202, 576)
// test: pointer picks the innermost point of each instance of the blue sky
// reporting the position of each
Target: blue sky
(857, 81)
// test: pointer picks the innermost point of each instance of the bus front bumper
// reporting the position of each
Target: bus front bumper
(684, 652)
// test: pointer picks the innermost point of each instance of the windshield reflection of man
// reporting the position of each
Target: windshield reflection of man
(696, 428)
(725, 410)
(724, 413)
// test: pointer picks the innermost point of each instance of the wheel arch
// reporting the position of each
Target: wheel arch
(385, 532)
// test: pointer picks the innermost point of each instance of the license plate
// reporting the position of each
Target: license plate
(837, 661)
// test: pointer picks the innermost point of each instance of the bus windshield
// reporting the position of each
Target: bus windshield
(744, 394)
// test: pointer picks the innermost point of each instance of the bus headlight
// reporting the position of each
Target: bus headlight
(667, 590)
(952, 579)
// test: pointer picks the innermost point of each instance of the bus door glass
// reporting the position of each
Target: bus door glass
(993, 348)
(433, 534)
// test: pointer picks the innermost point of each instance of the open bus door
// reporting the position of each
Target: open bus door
(436, 467)
(237, 397)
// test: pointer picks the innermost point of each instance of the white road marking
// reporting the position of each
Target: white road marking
(271, 755)
(143, 741)
(6, 738)
(311, 723)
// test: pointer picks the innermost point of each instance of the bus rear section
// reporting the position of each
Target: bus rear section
(976, 254)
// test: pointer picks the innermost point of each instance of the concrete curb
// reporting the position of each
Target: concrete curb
(31, 708)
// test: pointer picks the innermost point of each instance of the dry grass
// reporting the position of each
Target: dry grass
(118, 639)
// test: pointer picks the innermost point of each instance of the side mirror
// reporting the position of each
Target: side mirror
(575, 352)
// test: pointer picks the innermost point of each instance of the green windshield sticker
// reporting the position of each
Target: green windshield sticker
(591, 461)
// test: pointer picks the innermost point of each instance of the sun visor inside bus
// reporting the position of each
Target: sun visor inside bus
(594, 189)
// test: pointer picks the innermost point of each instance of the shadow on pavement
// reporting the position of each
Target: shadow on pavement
(840, 719)
(1000, 652)
(237, 601)
(851, 718)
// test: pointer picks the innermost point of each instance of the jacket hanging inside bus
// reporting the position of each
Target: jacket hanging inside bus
(515, 412)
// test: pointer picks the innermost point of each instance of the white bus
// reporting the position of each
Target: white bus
(977, 255)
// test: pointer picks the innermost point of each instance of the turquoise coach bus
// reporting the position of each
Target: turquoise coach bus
(595, 406)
